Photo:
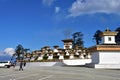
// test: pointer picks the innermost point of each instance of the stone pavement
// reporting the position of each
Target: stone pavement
(58, 73)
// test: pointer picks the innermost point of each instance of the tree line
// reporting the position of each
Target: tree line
(78, 38)
(98, 38)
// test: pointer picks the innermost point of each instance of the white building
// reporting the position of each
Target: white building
(106, 55)
(108, 37)
(68, 43)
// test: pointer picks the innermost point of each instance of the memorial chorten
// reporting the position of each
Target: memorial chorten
(107, 54)
(67, 43)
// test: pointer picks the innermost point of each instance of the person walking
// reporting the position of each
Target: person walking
(21, 64)
(24, 63)
(14, 64)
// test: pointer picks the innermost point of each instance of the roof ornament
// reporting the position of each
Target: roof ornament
(107, 29)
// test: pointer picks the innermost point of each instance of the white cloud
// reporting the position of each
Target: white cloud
(57, 9)
(94, 6)
(9, 51)
(2, 53)
(48, 2)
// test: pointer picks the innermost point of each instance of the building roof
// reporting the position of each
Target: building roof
(105, 48)
(67, 40)
(56, 46)
(108, 32)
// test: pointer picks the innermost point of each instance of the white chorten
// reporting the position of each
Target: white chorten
(106, 55)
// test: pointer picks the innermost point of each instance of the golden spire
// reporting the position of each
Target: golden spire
(107, 29)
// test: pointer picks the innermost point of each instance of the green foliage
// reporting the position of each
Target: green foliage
(78, 39)
(117, 37)
(97, 37)
(66, 57)
(36, 58)
(45, 57)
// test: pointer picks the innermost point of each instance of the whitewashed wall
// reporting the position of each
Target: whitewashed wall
(106, 41)
(108, 57)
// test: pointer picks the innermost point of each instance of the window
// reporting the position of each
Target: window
(109, 38)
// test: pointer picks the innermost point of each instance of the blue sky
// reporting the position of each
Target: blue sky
(39, 23)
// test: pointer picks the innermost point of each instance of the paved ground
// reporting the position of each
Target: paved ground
(58, 73)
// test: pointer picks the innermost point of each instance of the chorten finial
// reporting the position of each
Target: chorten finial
(107, 29)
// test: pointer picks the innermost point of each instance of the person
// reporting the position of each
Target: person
(21, 64)
(24, 63)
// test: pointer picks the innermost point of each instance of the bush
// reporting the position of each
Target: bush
(45, 57)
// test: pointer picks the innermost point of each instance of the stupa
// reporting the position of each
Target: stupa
(107, 54)
(68, 43)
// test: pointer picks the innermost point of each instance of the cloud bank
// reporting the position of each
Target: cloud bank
(7, 52)
(80, 7)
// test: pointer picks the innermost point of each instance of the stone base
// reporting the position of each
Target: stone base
(104, 66)
(43, 64)
(76, 62)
